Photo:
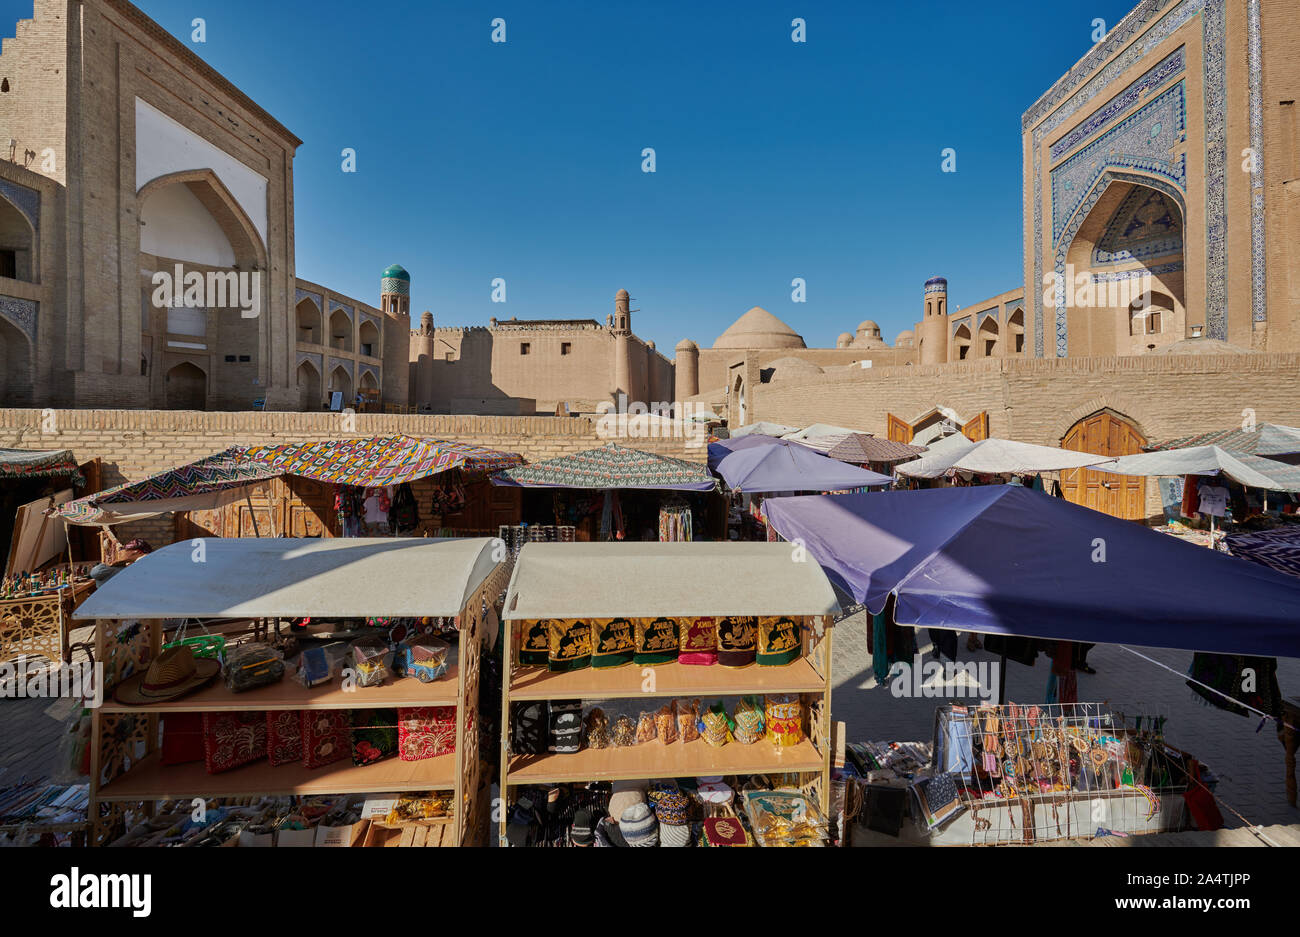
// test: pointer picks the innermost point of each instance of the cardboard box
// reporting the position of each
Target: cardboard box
(352, 834)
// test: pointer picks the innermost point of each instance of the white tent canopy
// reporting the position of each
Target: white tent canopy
(995, 457)
(1278, 440)
(763, 428)
(275, 576)
(1251, 471)
(645, 580)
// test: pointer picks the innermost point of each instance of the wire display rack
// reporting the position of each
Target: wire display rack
(1022, 774)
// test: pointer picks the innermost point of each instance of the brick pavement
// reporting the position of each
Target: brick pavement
(1249, 764)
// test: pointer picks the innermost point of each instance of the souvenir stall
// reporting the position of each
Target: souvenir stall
(45, 572)
(1215, 486)
(616, 493)
(756, 466)
(961, 461)
(681, 697)
(378, 696)
(1014, 564)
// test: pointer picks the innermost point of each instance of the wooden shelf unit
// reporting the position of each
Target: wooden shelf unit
(808, 676)
(120, 776)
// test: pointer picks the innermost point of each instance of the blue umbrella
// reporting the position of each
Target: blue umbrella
(792, 468)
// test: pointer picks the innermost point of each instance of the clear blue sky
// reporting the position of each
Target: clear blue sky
(522, 160)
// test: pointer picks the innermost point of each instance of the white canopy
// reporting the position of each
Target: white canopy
(645, 580)
(995, 456)
(763, 428)
(1251, 471)
(266, 577)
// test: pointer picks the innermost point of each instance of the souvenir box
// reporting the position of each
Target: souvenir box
(231, 739)
(284, 736)
(326, 736)
(427, 731)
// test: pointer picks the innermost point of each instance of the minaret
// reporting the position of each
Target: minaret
(395, 303)
(421, 388)
(687, 367)
(932, 330)
(622, 329)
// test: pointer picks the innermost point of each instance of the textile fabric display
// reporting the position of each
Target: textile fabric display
(1228, 673)
(737, 640)
(657, 641)
(779, 640)
(568, 645)
(404, 515)
(326, 736)
(675, 521)
(428, 731)
(613, 642)
(374, 735)
(1213, 499)
(283, 736)
(699, 644)
(890, 643)
(535, 643)
(231, 739)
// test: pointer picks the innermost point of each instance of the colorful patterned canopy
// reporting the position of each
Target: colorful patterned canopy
(34, 463)
(611, 466)
(1278, 548)
(229, 468)
(379, 460)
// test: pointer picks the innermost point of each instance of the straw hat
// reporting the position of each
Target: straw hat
(172, 673)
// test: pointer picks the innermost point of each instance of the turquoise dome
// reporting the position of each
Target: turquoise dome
(396, 272)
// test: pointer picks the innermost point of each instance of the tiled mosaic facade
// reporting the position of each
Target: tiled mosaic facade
(1147, 224)
(22, 313)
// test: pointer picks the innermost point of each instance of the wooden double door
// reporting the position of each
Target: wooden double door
(1105, 433)
(287, 506)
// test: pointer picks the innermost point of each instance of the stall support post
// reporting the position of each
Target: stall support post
(1002, 680)
(502, 806)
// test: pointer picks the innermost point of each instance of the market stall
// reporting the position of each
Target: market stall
(378, 696)
(994, 457)
(873, 452)
(614, 493)
(700, 661)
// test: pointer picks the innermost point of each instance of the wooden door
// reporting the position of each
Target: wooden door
(1105, 433)
(978, 428)
(898, 430)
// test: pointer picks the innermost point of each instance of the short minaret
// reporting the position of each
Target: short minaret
(687, 368)
(932, 330)
(622, 329)
(421, 381)
(395, 303)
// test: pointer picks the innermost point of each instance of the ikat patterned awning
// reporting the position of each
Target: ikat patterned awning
(379, 460)
(610, 466)
(1265, 439)
(1279, 548)
(34, 463)
(229, 468)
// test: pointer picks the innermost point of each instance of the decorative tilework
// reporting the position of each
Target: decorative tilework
(373, 375)
(308, 356)
(307, 294)
(1117, 275)
(27, 201)
(1146, 224)
(1258, 256)
(22, 313)
(1173, 64)
(343, 363)
(958, 323)
(1141, 141)
(335, 306)
(395, 285)
(1214, 21)
(1076, 89)
(986, 314)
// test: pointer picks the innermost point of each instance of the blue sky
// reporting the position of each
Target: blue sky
(775, 159)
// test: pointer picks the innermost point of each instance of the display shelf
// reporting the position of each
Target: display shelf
(653, 760)
(151, 780)
(289, 694)
(671, 679)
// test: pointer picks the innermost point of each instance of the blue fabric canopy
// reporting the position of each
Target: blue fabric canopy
(1002, 559)
(792, 467)
(724, 447)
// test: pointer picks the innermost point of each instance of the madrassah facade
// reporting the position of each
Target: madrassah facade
(1162, 264)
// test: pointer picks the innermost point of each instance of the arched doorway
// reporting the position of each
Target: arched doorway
(16, 241)
(309, 393)
(1105, 433)
(988, 335)
(961, 343)
(15, 366)
(369, 339)
(340, 331)
(1016, 332)
(187, 387)
(341, 382)
(309, 321)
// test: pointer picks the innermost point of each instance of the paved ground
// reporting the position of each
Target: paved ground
(1249, 764)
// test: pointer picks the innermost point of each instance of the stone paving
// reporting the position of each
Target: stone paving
(1249, 764)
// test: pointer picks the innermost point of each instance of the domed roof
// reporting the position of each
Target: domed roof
(1202, 346)
(845, 339)
(867, 325)
(758, 328)
(621, 294)
(783, 369)
(396, 272)
(936, 281)
(905, 339)
(687, 345)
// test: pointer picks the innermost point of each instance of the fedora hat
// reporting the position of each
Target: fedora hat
(174, 672)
